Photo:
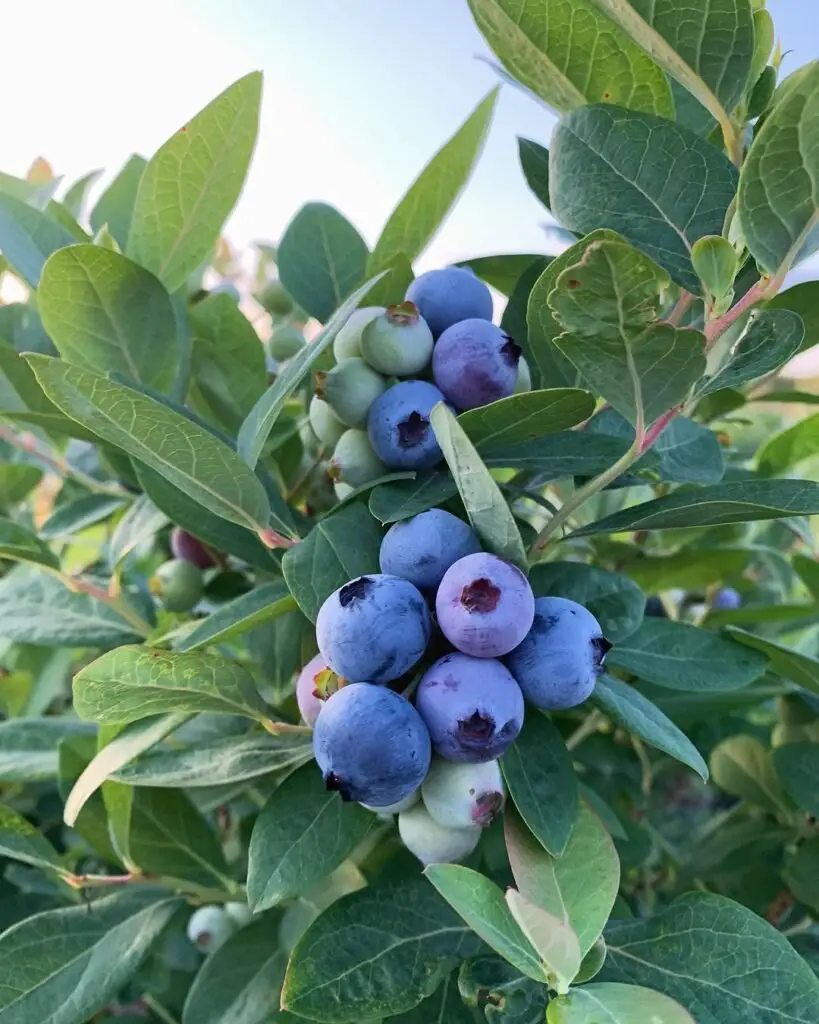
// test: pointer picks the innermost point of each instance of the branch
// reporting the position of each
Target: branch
(27, 443)
(684, 303)
(719, 325)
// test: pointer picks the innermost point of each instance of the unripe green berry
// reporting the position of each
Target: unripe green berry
(354, 461)
(275, 299)
(285, 343)
(347, 342)
(239, 913)
(179, 585)
(327, 427)
(399, 342)
(209, 928)
(350, 388)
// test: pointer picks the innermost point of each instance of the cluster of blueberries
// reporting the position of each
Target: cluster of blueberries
(442, 338)
(434, 762)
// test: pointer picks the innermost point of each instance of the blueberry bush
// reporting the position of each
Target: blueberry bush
(367, 654)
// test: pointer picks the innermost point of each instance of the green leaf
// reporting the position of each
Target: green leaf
(338, 549)
(17, 480)
(778, 199)
(787, 449)
(616, 602)
(803, 299)
(578, 888)
(21, 545)
(534, 162)
(75, 754)
(716, 958)
(503, 271)
(376, 953)
(612, 167)
(526, 417)
(741, 501)
(28, 746)
(743, 767)
(571, 54)
(801, 872)
(240, 982)
(483, 500)
(321, 258)
(115, 206)
(392, 288)
(390, 503)
(429, 199)
(799, 668)
(554, 941)
(185, 454)
(20, 840)
(114, 754)
(218, 763)
(217, 533)
(543, 328)
(80, 513)
(134, 682)
(616, 1004)
(62, 966)
(771, 337)
(443, 1007)
(514, 323)
(238, 616)
(482, 905)
(28, 237)
(683, 657)
(687, 452)
(105, 313)
(192, 183)
(715, 263)
(797, 765)
(262, 417)
(228, 361)
(541, 782)
(493, 986)
(301, 835)
(709, 51)
(632, 711)
(169, 838)
(76, 195)
(36, 608)
(19, 389)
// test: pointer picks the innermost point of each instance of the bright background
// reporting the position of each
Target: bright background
(358, 95)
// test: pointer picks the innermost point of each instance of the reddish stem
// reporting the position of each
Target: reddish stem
(714, 328)
(271, 539)
(656, 428)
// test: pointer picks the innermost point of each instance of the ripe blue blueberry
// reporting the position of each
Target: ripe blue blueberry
(309, 704)
(399, 427)
(421, 549)
(350, 388)
(472, 707)
(373, 629)
(726, 599)
(398, 343)
(371, 745)
(463, 795)
(447, 296)
(475, 363)
(558, 663)
(432, 843)
(485, 606)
